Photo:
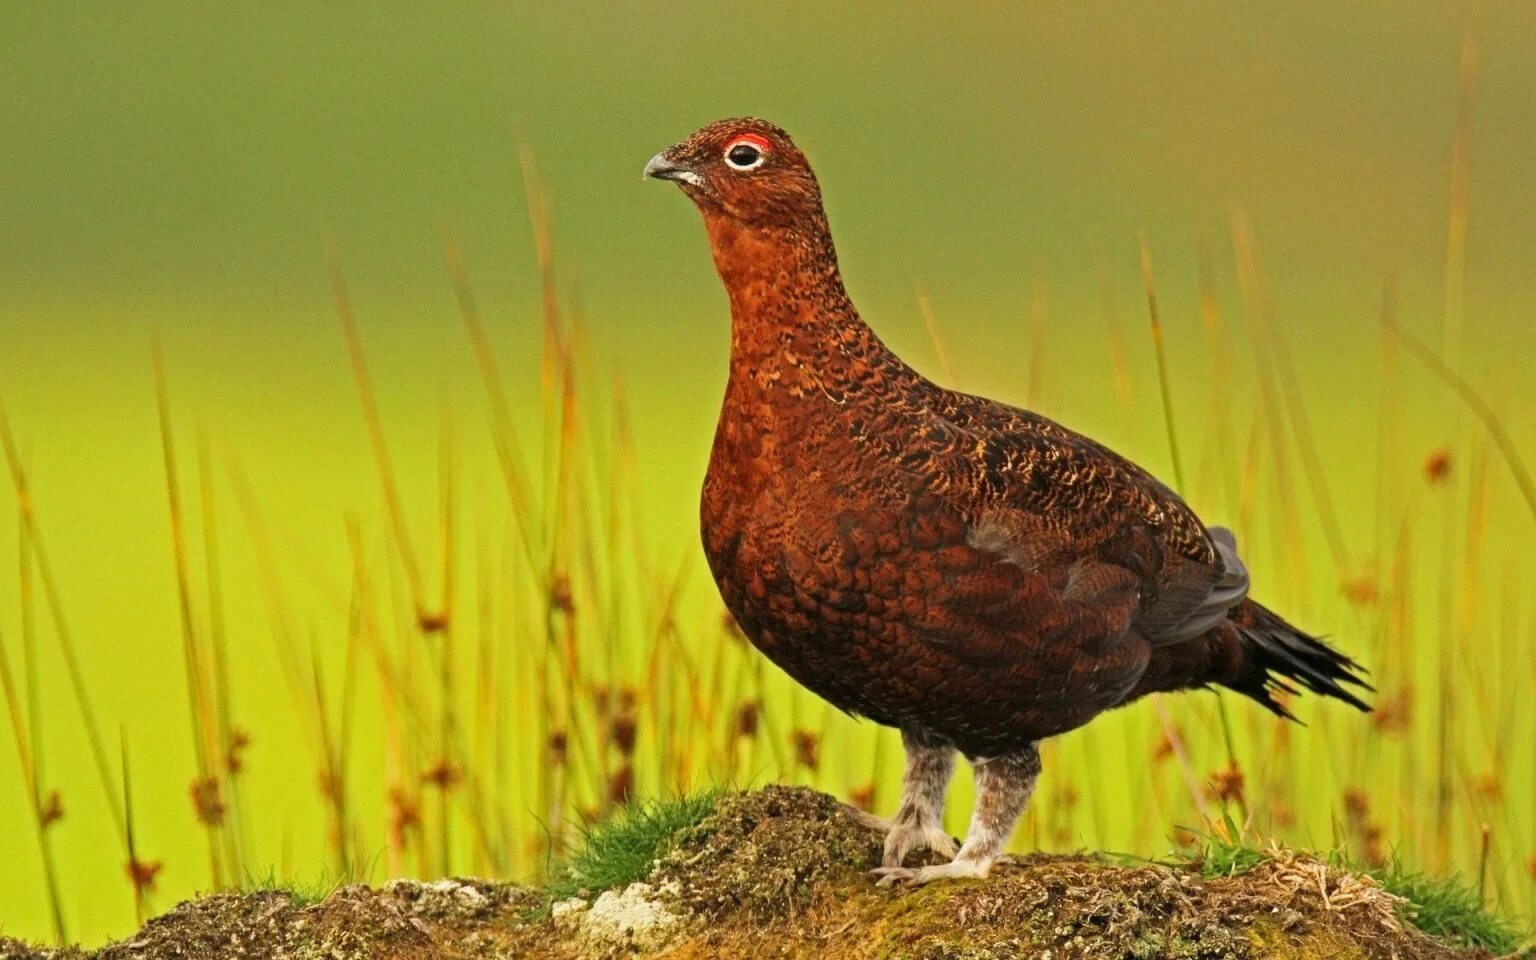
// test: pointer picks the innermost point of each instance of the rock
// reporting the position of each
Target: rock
(636, 921)
(567, 914)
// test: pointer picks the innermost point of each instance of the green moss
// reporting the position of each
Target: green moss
(1274, 942)
(1449, 910)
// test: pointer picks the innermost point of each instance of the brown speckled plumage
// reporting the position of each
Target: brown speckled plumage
(933, 560)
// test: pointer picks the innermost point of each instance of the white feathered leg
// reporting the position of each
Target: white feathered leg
(1003, 788)
(918, 823)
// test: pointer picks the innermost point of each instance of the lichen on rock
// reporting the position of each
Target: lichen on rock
(637, 919)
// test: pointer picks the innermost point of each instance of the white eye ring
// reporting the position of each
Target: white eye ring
(758, 155)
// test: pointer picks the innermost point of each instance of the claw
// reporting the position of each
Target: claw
(892, 876)
(905, 839)
(953, 870)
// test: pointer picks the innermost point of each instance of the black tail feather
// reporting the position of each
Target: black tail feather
(1276, 653)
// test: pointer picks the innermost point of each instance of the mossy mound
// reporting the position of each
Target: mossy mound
(444, 920)
(782, 872)
(767, 855)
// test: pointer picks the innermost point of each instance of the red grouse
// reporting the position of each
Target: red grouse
(973, 574)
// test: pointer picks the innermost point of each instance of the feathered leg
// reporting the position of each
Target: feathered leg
(1003, 788)
(918, 824)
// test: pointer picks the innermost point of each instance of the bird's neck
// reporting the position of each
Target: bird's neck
(791, 319)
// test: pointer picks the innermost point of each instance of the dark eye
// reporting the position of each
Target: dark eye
(743, 156)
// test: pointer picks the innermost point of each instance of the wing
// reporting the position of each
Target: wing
(950, 636)
(1048, 496)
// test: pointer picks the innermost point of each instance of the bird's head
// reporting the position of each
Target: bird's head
(746, 170)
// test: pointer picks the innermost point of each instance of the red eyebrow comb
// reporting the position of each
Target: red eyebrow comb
(757, 140)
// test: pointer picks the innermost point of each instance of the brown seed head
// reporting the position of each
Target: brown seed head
(1368, 838)
(1282, 814)
(405, 814)
(1362, 590)
(207, 801)
(234, 760)
(1371, 846)
(559, 747)
(142, 874)
(1357, 805)
(1437, 466)
(807, 746)
(621, 786)
(1226, 784)
(746, 719)
(624, 732)
(442, 775)
(560, 597)
(52, 810)
(863, 797)
(1393, 713)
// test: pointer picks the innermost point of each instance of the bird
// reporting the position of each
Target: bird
(973, 574)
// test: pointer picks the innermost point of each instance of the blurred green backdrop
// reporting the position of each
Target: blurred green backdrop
(175, 170)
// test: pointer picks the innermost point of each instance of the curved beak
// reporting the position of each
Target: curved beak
(663, 167)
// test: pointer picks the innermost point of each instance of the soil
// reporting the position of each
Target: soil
(782, 873)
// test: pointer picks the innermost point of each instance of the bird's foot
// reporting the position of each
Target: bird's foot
(956, 869)
(907, 838)
(903, 839)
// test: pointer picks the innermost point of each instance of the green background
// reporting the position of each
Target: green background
(176, 170)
